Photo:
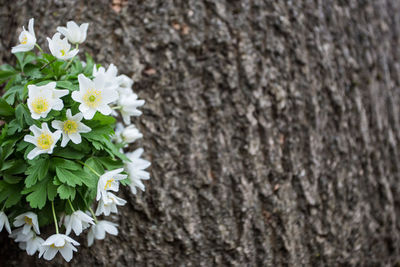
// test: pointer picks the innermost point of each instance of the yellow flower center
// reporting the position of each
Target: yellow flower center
(92, 98)
(58, 247)
(40, 105)
(70, 127)
(108, 184)
(24, 40)
(28, 220)
(45, 141)
(62, 52)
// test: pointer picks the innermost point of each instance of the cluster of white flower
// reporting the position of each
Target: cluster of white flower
(106, 93)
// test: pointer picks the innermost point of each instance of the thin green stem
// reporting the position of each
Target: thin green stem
(40, 49)
(4, 206)
(116, 107)
(90, 168)
(54, 216)
(70, 204)
(94, 216)
(47, 64)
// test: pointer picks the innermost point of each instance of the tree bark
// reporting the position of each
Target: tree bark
(273, 129)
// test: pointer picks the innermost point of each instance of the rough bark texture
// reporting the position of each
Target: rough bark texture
(272, 126)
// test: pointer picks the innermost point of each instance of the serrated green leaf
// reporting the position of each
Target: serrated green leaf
(66, 192)
(68, 177)
(37, 199)
(5, 108)
(36, 172)
(93, 163)
(51, 191)
(66, 164)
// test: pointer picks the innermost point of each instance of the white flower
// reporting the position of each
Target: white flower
(43, 139)
(110, 76)
(74, 33)
(93, 96)
(42, 99)
(109, 181)
(126, 135)
(58, 243)
(135, 169)
(28, 220)
(124, 81)
(71, 128)
(20, 236)
(124, 85)
(77, 221)
(99, 230)
(60, 48)
(4, 222)
(32, 244)
(27, 39)
(128, 106)
(109, 203)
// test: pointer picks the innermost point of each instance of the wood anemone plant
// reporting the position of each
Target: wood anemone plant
(61, 150)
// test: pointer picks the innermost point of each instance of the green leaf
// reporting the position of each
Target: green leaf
(25, 58)
(5, 108)
(32, 72)
(37, 199)
(88, 70)
(51, 191)
(64, 84)
(16, 167)
(8, 147)
(13, 194)
(69, 153)
(11, 179)
(66, 164)
(67, 177)
(37, 171)
(66, 192)
(93, 163)
(14, 127)
(110, 164)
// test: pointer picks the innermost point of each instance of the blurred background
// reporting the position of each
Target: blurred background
(272, 126)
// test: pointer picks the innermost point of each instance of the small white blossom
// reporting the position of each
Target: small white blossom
(42, 99)
(124, 81)
(98, 231)
(110, 76)
(128, 106)
(124, 85)
(27, 39)
(19, 236)
(28, 220)
(93, 96)
(126, 135)
(71, 128)
(58, 243)
(60, 48)
(74, 33)
(4, 222)
(136, 170)
(32, 244)
(109, 181)
(77, 221)
(43, 139)
(109, 204)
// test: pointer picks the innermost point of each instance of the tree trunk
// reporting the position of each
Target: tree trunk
(273, 129)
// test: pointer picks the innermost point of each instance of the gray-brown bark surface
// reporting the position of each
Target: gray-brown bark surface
(272, 126)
